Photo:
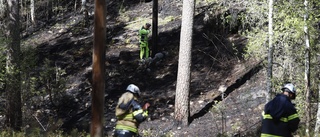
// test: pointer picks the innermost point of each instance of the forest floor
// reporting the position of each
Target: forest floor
(226, 91)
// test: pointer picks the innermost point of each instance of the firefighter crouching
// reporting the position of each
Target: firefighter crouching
(129, 113)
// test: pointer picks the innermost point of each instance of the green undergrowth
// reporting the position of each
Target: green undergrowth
(40, 133)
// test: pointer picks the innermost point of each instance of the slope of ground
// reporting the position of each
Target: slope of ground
(226, 91)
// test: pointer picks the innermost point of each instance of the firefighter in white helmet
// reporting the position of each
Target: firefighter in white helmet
(129, 113)
(280, 118)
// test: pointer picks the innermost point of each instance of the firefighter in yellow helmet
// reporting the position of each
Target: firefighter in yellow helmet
(280, 118)
(129, 113)
(143, 40)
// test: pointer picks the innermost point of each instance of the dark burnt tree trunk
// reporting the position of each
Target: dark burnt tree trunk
(98, 69)
(13, 80)
(49, 9)
(155, 47)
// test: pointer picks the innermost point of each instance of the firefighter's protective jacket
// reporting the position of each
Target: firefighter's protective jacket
(280, 118)
(143, 34)
(129, 113)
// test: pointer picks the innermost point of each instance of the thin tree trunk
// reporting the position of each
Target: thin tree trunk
(270, 52)
(98, 69)
(307, 69)
(83, 5)
(182, 112)
(13, 80)
(32, 12)
(75, 5)
(49, 9)
(2, 8)
(84, 10)
(317, 126)
(155, 48)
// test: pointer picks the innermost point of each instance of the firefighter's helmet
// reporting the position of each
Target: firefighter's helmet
(290, 87)
(133, 89)
(148, 25)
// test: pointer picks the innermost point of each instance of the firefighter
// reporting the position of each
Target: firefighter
(129, 113)
(143, 40)
(280, 118)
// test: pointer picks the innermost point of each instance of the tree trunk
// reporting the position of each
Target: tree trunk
(307, 69)
(2, 8)
(83, 5)
(155, 48)
(49, 9)
(32, 14)
(84, 11)
(13, 80)
(98, 69)
(317, 126)
(270, 52)
(182, 112)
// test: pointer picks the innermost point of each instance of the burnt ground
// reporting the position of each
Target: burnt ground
(226, 91)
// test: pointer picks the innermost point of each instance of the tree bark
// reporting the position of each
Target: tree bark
(85, 13)
(98, 69)
(2, 8)
(13, 80)
(317, 126)
(155, 48)
(307, 69)
(182, 112)
(270, 51)
(32, 14)
(49, 9)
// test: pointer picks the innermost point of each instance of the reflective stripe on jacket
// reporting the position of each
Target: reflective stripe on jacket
(280, 118)
(129, 113)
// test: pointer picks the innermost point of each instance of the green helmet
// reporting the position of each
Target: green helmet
(133, 89)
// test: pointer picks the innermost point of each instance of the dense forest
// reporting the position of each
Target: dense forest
(224, 59)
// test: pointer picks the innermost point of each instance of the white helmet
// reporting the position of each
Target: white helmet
(290, 87)
(133, 89)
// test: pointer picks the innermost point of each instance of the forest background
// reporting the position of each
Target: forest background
(47, 51)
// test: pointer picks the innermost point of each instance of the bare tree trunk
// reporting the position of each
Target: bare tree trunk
(307, 69)
(270, 52)
(32, 14)
(2, 8)
(13, 80)
(317, 126)
(75, 5)
(84, 11)
(155, 48)
(49, 9)
(83, 5)
(98, 69)
(182, 111)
